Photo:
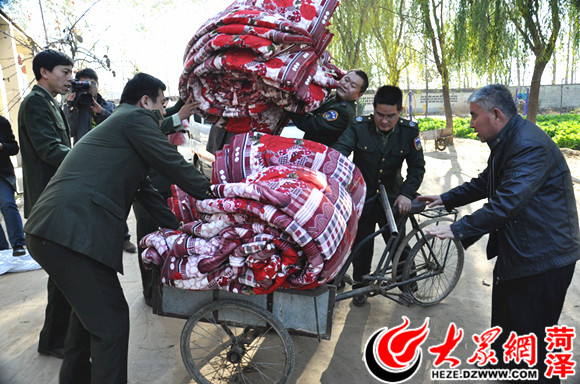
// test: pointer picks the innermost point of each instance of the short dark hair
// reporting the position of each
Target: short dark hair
(4, 123)
(362, 74)
(87, 73)
(389, 95)
(48, 59)
(141, 85)
(494, 96)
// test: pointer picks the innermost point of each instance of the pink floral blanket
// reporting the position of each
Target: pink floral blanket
(259, 58)
(285, 216)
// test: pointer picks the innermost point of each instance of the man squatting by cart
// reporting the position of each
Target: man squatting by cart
(530, 216)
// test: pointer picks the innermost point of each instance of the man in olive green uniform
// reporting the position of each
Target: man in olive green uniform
(328, 122)
(44, 137)
(145, 223)
(381, 142)
(76, 228)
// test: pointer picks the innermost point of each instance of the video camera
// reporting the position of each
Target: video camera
(83, 97)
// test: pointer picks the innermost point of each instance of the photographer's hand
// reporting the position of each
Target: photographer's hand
(96, 107)
(70, 97)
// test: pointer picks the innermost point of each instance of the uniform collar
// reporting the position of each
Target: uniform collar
(335, 99)
(378, 131)
(45, 93)
(154, 114)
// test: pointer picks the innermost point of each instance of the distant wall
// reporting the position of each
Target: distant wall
(553, 98)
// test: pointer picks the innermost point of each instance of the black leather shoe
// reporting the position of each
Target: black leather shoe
(57, 352)
(18, 251)
(128, 246)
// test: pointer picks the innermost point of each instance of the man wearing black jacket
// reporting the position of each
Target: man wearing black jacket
(530, 216)
(9, 147)
(86, 110)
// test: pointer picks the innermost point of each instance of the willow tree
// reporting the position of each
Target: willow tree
(390, 39)
(485, 41)
(350, 26)
(572, 30)
(536, 23)
(437, 17)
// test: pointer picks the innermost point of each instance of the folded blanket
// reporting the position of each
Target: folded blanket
(259, 58)
(285, 216)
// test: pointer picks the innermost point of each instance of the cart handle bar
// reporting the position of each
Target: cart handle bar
(388, 211)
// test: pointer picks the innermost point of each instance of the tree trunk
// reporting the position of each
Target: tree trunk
(534, 96)
(448, 109)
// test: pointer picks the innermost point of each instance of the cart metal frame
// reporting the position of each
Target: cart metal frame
(301, 312)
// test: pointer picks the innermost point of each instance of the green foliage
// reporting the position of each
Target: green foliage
(483, 37)
(563, 129)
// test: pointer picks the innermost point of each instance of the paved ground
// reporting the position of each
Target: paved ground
(154, 355)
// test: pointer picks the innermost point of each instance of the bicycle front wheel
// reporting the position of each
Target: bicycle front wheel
(438, 263)
(232, 341)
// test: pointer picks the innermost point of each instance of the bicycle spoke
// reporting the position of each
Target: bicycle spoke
(436, 265)
(240, 343)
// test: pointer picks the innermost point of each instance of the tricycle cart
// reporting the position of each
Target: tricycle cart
(236, 338)
(440, 136)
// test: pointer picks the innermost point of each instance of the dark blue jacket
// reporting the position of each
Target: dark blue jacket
(10, 148)
(531, 211)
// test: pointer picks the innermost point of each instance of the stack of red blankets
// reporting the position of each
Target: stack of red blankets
(259, 58)
(285, 216)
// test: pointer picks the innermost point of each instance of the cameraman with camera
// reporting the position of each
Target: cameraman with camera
(85, 107)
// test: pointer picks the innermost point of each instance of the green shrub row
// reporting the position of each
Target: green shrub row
(563, 129)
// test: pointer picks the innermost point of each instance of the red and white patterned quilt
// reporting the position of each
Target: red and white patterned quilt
(285, 215)
(259, 58)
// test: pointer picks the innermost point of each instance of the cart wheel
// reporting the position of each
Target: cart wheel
(440, 144)
(233, 341)
(445, 270)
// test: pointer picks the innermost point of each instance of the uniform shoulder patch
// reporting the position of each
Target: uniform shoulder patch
(408, 124)
(417, 143)
(331, 115)
(361, 119)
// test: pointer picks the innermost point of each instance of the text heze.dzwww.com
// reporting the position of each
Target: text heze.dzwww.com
(484, 374)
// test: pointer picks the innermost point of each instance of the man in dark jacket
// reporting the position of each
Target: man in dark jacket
(326, 124)
(76, 228)
(9, 147)
(44, 137)
(86, 109)
(530, 215)
(381, 143)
